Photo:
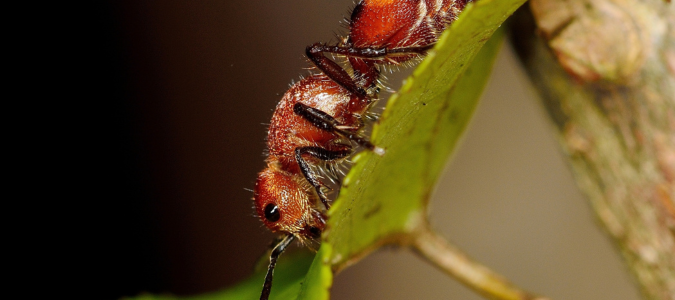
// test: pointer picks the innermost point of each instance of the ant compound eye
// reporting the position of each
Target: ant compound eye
(272, 212)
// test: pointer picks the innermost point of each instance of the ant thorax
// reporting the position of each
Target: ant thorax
(288, 130)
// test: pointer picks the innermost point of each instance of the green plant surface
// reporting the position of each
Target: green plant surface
(289, 274)
(383, 199)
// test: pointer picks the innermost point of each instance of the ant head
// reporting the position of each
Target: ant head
(285, 204)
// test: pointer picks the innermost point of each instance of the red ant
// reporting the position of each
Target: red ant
(320, 118)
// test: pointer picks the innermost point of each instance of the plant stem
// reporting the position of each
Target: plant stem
(457, 264)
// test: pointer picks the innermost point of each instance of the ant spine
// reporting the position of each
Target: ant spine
(320, 119)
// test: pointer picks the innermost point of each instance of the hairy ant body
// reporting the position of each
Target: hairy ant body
(320, 119)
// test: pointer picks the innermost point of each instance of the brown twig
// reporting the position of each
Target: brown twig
(457, 264)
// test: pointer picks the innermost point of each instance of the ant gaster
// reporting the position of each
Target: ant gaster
(320, 119)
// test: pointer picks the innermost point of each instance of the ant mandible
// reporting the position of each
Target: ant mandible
(320, 119)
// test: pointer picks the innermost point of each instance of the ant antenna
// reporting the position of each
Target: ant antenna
(278, 249)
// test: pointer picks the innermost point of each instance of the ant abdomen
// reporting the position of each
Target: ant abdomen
(401, 23)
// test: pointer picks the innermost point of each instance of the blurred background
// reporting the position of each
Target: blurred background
(184, 90)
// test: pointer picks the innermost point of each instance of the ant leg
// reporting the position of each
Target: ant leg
(326, 122)
(335, 72)
(278, 249)
(318, 49)
(321, 154)
(261, 260)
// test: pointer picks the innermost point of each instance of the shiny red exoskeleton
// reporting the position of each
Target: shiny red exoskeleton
(319, 121)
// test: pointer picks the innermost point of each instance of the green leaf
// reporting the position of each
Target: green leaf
(383, 199)
(288, 277)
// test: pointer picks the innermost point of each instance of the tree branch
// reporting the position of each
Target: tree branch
(606, 73)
